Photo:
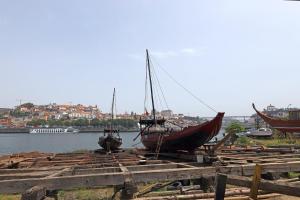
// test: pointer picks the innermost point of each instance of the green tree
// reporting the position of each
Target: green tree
(37, 122)
(80, 122)
(95, 122)
(67, 123)
(235, 127)
(18, 113)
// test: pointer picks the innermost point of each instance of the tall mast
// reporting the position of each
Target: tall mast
(151, 89)
(112, 109)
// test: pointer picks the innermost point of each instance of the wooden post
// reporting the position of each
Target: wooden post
(255, 182)
(220, 186)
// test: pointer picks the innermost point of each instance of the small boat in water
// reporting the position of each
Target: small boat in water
(157, 136)
(283, 125)
(111, 139)
(54, 130)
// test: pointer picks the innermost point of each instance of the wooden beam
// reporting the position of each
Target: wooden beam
(247, 170)
(24, 175)
(92, 180)
(153, 167)
(28, 170)
(195, 196)
(107, 179)
(270, 186)
(95, 171)
(255, 182)
(60, 173)
(220, 186)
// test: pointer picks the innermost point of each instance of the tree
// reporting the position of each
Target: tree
(37, 122)
(235, 127)
(95, 122)
(67, 123)
(27, 105)
(81, 122)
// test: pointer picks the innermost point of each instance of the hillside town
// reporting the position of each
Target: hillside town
(29, 115)
(24, 114)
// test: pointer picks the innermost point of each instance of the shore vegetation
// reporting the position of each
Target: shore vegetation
(126, 123)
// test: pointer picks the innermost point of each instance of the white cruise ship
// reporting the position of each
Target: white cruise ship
(54, 130)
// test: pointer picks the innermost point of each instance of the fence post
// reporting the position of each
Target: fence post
(220, 187)
(255, 182)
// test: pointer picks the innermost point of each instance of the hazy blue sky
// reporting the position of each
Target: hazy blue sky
(228, 53)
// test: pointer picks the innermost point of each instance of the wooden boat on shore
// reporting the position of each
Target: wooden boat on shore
(283, 125)
(111, 140)
(155, 135)
(188, 138)
(260, 133)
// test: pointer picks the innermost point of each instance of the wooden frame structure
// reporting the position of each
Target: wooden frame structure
(88, 170)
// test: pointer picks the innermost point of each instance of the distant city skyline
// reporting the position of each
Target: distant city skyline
(228, 53)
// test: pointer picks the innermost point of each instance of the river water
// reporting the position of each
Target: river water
(62, 142)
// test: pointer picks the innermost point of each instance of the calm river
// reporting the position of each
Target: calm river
(65, 142)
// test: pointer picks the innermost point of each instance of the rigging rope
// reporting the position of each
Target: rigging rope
(188, 91)
(161, 90)
(157, 96)
(155, 89)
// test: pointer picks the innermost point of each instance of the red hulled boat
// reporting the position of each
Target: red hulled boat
(157, 135)
(188, 138)
(282, 125)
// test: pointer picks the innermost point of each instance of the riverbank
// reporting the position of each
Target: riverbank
(81, 130)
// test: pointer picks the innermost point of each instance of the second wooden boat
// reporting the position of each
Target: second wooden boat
(283, 125)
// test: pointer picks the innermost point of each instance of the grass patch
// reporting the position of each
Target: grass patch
(293, 174)
(244, 141)
(10, 197)
(277, 140)
(87, 194)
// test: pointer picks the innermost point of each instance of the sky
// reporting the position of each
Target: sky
(228, 53)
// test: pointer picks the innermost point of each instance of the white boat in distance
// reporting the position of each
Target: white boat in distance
(54, 130)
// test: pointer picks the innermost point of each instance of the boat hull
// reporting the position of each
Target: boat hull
(188, 138)
(282, 125)
(110, 142)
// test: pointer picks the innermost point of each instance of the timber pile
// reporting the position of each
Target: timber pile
(37, 159)
(37, 172)
(237, 194)
(238, 155)
(22, 159)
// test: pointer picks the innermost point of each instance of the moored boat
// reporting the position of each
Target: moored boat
(54, 130)
(283, 125)
(111, 139)
(157, 136)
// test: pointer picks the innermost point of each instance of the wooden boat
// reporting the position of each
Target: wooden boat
(111, 140)
(283, 125)
(155, 135)
(261, 133)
